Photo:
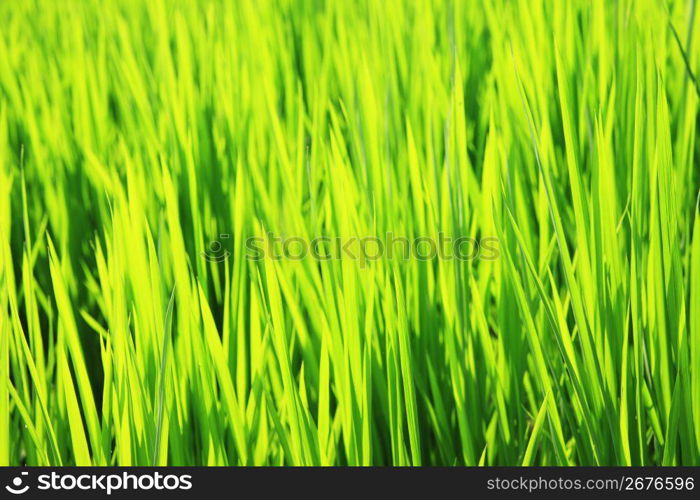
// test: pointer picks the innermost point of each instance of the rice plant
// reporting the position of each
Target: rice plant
(144, 144)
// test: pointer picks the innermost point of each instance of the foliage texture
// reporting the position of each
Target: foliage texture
(133, 133)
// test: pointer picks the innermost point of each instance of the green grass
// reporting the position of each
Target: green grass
(133, 133)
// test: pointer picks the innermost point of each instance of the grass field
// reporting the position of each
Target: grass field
(145, 143)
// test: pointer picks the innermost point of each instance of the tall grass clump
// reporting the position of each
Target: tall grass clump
(135, 133)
